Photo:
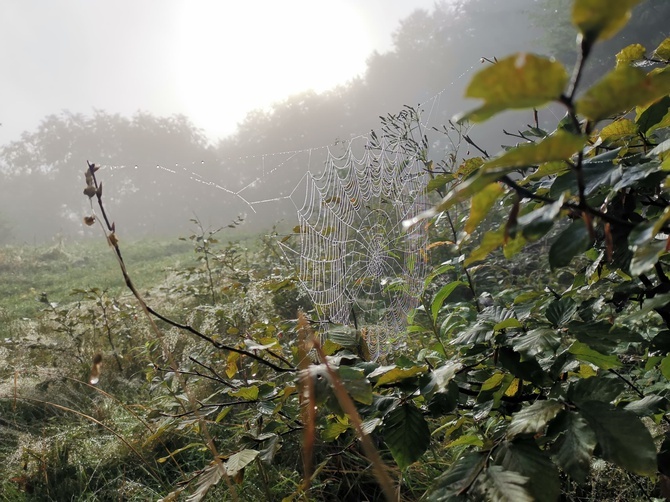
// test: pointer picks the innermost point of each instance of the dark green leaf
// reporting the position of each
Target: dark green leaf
(500, 485)
(239, 461)
(599, 388)
(406, 433)
(574, 445)
(573, 241)
(524, 457)
(534, 418)
(560, 312)
(537, 223)
(535, 342)
(357, 384)
(646, 256)
(652, 116)
(528, 370)
(439, 378)
(622, 438)
(460, 476)
(441, 296)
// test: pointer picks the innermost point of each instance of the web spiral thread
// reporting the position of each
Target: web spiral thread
(358, 264)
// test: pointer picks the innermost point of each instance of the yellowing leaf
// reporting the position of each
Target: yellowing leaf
(493, 381)
(399, 374)
(619, 129)
(513, 387)
(490, 242)
(469, 166)
(622, 89)
(560, 146)
(629, 54)
(601, 19)
(663, 50)
(481, 204)
(519, 81)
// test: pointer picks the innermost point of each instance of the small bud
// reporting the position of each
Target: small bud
(112, 239)
(90, 191)
(89, 220)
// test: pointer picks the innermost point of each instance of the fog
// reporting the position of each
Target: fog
(200, 109)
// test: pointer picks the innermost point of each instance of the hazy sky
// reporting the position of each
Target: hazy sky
(211, 60)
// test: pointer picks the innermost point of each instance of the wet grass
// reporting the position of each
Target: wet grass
(28, 273)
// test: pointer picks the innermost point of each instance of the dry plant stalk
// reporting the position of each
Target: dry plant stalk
(379, 469)
(307, 399)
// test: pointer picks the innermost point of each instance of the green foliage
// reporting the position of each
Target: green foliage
(534, 368)
(560, 374)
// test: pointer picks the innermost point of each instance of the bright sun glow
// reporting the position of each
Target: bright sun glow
(232, 57)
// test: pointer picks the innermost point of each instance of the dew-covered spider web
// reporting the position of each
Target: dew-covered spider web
(358, 264)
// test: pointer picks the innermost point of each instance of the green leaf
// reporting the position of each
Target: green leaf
(654, 116)
(466, 439)
(524, 457)
(535, 342)
(560, 146)
(622, 89)
(333, 430)
(406, 433)
(438, 182)
(629, 54)
(574, 445)
(537, 223)
(601, 19)
(573, 241)
(663, 50)
(650, 404)
(601, 388)
(247, 393)
(439, 378)
(534, 418)
(239, 461)
(442, 295)
(518, 81)
(643, 233)
(583, 352)
(480, 205)
(356, 383)
(500, 485)
(665, 367)
(560, 312)
(622, 438)
(646, 256)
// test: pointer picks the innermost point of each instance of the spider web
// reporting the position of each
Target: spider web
(358, 264)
